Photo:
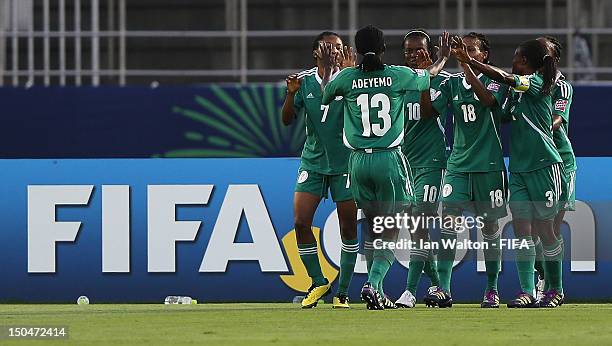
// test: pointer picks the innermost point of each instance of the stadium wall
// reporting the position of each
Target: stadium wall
(205, 121)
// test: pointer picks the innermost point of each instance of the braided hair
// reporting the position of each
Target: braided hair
(537, 57)
(370, 42)
(484, 43)
(558, 47)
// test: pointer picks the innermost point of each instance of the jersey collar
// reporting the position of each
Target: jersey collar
(333, 76)
(465, 83)
(559, 76)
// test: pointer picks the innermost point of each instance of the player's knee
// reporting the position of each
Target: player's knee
(490, 227)
(302, 225)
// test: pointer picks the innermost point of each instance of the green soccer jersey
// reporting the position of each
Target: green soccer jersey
(323, 150)
(424, 139)
(373, 104)
(562, 100)
(477, 146)
(531, 144)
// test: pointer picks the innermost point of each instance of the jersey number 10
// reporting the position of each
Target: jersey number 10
(378, 101)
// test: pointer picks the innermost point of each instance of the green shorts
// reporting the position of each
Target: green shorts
(380, 181)
(537, 194)
(321, 185)
(568, 195)
(426, 183)
(482, 193)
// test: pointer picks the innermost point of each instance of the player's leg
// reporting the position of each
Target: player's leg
(308, 193)
(361, 168)
(568, 202)
(541, 285)
(522, 209)
(455, 196)
(426, 183)
(434, 178)
(392, 192)
(347, 218)
(490, 196)
(549, 183)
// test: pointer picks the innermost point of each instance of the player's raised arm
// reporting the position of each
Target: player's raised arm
(485, 96)
(444, 51)
(347, 58)
(490, 71)
(293, 85)
(329, 60)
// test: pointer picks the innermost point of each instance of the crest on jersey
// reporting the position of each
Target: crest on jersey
(420, 72)
(447, 190)
(433, 94)
(302, 177)
(560, 105)
(493, 87)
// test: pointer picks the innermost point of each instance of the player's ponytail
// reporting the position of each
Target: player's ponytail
(538, 58)
(549, 70)
(370, 43)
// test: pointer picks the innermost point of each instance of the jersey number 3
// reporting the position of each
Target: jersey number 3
(378, 101)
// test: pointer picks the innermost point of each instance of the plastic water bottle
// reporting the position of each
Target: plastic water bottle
(179, 300)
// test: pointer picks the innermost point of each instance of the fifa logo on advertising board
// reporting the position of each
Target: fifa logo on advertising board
(243, 201)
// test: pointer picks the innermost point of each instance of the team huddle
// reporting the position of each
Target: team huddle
(375, 140)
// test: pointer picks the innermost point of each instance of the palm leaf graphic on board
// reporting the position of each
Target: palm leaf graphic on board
(241, 121)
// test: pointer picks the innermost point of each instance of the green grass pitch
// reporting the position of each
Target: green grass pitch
(141, 324)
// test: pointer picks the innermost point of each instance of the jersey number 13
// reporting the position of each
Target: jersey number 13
(377, 101)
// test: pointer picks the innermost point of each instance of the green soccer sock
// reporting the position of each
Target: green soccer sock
(418, 258)
(446, 257)
(431, 269)
(348, 257)
(553, 260)
(310, 258)
(525, 259)
(383, 259)
(492, 254)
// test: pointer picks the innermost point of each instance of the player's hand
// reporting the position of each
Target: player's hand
(444, 49)
(423, 59)
(293, 83)
(459, 50)
(348, 57)
(327, 55)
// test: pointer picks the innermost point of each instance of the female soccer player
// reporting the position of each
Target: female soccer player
(561, 101)
(323, 169)
(535, 164)
(425, 149)
(476, 174)
(374, 130)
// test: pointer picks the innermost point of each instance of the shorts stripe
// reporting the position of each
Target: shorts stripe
(572, 184)
(560, 187)
(408, 182)
(448, 231)
(504, 191)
